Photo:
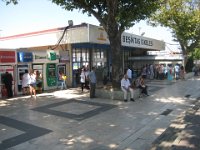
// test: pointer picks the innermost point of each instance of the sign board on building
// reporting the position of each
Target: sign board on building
(64, 56)
(99, 35)
(24, 56)
(42, 57)
(131, 40)
(51, 55)
(7, 57)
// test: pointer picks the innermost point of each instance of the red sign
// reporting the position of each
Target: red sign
(7, 57)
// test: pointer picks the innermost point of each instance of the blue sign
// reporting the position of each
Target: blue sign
(25, 57)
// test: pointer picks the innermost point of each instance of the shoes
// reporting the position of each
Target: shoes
(132, 100)
(125, 100)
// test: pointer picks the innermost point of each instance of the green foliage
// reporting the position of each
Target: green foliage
(183, 18)
(115, 16)
(11, 1)
(122, 13)
(196, 54)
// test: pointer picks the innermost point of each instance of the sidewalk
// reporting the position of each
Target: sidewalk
(70, 120)
(183, 133)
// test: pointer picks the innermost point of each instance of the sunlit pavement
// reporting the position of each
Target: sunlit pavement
(68, 120)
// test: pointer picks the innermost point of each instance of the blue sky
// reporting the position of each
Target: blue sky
(34, 15)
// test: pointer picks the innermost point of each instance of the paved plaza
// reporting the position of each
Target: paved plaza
(168, 119)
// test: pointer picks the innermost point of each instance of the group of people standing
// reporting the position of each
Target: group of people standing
(88, 80)
(30, 80)
(163, 71)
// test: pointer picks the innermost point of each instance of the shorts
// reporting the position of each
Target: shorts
(33, 85)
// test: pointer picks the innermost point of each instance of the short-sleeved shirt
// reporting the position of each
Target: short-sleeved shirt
(92, 77)
(32, 79)
(25, 80)
(129, 73)
(125, 83)
(82, 77)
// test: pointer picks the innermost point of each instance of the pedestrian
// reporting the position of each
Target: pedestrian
(177, 71)
(126, 87)
(170, 74)
(82, 79)
(143, 86)
(32, 83)
(110, 72)
(39, 81)
(93, 81)
(151, 71)
(7, 80)
(87, 71)
(129, 74)
(63, 81)
(25, 84)
(182, 73)
(105, 75)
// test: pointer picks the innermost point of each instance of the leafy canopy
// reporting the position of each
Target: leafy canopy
(122, 13)
(11, 1)
(197, 53)
(183, 18)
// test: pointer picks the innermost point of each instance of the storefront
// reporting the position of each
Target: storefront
(7, 64)
(87, 45)
(87, 55)
(45, 63)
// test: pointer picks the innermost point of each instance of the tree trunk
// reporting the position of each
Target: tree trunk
(117, 61)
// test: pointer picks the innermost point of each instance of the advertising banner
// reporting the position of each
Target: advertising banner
(25, 57)
(7, 57)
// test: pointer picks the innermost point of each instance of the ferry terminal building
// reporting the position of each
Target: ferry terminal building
(80, 45)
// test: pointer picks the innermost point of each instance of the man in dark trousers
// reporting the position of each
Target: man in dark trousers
(7, 80)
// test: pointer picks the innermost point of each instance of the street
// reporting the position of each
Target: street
(70, 120)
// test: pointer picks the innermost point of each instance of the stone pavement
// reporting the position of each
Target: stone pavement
(183, 133)
(69, 120)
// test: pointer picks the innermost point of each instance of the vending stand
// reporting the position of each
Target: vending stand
(7, 64)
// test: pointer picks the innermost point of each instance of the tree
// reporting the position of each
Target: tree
(10, 1)
(196, 54)
(115, 16)
(183, 18)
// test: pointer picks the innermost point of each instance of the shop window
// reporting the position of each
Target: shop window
(99, 58)
(80, 58)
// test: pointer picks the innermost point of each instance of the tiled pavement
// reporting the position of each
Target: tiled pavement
(69, 120)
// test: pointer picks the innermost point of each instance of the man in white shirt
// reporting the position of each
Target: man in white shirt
(125, 86)
(129, 74)
(177, 69)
